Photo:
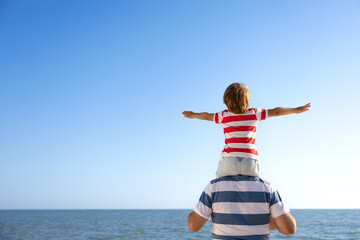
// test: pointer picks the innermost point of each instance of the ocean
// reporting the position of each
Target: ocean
(157, 224)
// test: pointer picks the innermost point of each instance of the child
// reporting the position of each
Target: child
(240, 154)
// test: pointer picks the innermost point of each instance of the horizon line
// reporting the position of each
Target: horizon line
(101, 209)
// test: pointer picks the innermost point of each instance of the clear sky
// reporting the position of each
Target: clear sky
(92, 92)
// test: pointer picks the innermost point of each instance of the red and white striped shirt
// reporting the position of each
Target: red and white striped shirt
(240, 131)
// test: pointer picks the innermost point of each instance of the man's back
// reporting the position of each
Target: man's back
(240, 207)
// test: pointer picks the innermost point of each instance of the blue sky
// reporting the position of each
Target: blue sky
(92, 93)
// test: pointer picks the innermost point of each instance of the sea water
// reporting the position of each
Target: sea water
(157, 224)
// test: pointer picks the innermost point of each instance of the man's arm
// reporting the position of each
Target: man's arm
(196, 222)
(202, 116)
(285, 224)
(279, 111)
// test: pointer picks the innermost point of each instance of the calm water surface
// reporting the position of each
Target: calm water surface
(157, 224)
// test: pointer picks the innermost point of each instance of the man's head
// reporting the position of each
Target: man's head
(237, 98)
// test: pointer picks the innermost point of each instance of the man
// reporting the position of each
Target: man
(241, 207)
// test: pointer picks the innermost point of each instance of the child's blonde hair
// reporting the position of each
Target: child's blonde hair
(237, 98)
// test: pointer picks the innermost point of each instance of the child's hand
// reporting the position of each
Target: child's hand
(189, 114)
(202, 116)
(302, 108)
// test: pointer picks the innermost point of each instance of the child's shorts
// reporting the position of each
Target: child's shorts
(230, 166)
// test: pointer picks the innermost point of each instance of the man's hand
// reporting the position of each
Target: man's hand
(272, 225)
(286, 224)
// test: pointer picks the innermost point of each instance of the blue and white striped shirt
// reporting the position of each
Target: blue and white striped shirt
(240, 207)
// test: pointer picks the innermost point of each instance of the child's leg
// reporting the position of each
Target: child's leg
(230, 166)
(249, 167)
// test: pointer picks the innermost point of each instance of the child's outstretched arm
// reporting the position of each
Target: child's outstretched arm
(202, 116)
(279, 111)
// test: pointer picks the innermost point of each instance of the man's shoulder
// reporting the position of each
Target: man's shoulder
(239, 178)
